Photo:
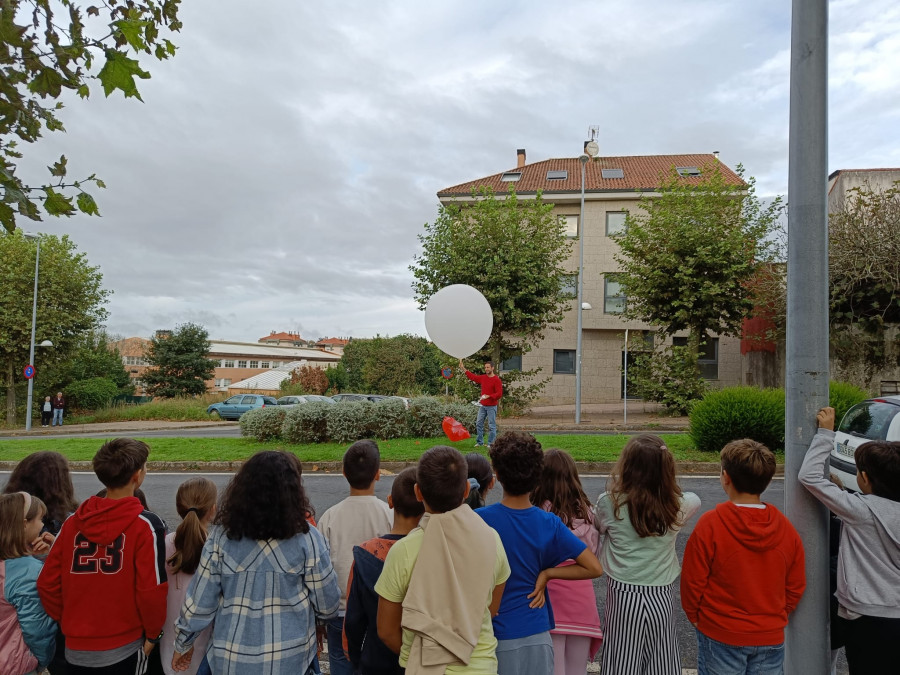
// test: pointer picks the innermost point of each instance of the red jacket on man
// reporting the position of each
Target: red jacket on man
(104, 579)
(490, 385)
(743, 573)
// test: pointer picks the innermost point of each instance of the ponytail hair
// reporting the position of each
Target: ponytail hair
(194, 501)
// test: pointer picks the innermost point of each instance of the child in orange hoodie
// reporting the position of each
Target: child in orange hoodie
(744, 554)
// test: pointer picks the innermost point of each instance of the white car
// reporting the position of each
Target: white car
(877, 419)
(290, 401)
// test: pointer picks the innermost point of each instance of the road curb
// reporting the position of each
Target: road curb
(389, 468)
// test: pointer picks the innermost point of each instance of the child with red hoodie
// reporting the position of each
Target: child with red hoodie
(104, 579)
(744, 555)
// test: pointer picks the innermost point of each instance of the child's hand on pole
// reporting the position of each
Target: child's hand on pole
(825, 418)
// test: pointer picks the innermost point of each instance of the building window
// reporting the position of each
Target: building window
(263, 364)
(615, 222)
(254, 364)
(226, 382)
(512, 363)
(569, 288)
(708, 358)
(564, 361)
(276, 364)
(613, 296)
(570, 225)
(242, 364)
(228, 363)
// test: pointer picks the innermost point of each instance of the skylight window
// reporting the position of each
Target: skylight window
(612, 173)
(511, 176)
(557, 175)
(687, 170)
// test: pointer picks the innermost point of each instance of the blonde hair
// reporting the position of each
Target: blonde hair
(15, 509)
(193, 501)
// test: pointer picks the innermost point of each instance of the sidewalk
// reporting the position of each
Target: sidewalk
(635, 416)
(113, 427)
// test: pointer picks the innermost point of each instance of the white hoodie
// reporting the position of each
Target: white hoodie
(868, 569)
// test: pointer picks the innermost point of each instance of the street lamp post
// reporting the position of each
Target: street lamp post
(37, 263)
(581, 231)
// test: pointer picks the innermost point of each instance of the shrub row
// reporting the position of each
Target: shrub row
(747, 412)
(348, 422)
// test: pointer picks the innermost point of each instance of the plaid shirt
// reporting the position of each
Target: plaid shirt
(264, 597)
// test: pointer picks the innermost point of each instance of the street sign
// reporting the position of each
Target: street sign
(28, 371)
(447, 373)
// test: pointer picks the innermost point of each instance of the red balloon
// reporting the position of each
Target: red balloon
(456, 431)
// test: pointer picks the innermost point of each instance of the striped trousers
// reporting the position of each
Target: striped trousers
(639, 630)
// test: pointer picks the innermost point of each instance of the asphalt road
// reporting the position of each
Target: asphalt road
(326, 490)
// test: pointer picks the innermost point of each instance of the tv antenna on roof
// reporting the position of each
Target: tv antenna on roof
(594, 131)
(591, 147)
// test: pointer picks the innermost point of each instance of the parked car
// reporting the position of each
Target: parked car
(877, 419)
(344, 398)
(305, 398)
(234, 407)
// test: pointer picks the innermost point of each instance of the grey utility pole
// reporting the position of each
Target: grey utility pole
(807, 638)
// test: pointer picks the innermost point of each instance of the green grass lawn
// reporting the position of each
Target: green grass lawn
(582, 448)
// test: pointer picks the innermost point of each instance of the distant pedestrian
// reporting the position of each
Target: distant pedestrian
(46, 412)
(58, 404)
(868, 564)
(491, 391)
(639, 518)
(743, 571)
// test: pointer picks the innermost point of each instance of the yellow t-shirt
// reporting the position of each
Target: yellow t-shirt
(394, 582)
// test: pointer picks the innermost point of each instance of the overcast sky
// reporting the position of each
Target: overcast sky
(282, 164)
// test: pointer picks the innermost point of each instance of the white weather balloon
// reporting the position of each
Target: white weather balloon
(459, 320)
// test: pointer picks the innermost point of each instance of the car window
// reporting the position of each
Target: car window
(269, 400)
(870, 419)
(233, 400)
(248, 400)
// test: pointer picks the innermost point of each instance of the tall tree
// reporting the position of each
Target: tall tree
(62, 45)
(92, 357)
(70, 302)
(179, 363)
(513, 252)
(688, 256)
(402, 364)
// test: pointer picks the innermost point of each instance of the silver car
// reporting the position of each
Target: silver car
(877, 419)
(305, 398)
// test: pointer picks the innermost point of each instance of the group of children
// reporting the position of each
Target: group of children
(435, 580)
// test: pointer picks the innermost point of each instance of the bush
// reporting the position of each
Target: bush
(425, 416)
(738, 412)
(388, 419)
(91, 394)
(669, 376)
(263, 424)
(306, 423)
(842, 396)
(349, 422)
(463, 412)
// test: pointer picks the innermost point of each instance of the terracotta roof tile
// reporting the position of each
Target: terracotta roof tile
(641, 173)
(333, 341)
(280, 336)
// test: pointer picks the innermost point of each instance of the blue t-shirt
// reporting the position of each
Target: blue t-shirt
(534, 540)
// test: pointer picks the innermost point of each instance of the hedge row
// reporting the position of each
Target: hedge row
(747, 412)
(348, 422)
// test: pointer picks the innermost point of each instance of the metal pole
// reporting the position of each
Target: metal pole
(37, 263)
(625, 385)
(807, 648)
(581, 232)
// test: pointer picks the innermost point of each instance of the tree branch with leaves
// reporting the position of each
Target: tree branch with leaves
(47, 47)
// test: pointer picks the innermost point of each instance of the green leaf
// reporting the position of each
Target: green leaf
(100, 183)
(57, 204)
(132, 31)
(119, 72)
(86, 204)
(59, 168)
(93, 11)
(83, 91)
(7, 217)
(47, 83)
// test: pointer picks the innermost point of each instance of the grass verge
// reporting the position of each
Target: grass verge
(171, 409)
(582, 448)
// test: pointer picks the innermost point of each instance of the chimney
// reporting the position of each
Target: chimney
(520, 158)
(716, 154)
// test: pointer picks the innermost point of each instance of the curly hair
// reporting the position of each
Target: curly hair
(46, 475)
(560, 486)
(265, 499)
(518, 459)
(644, 481)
